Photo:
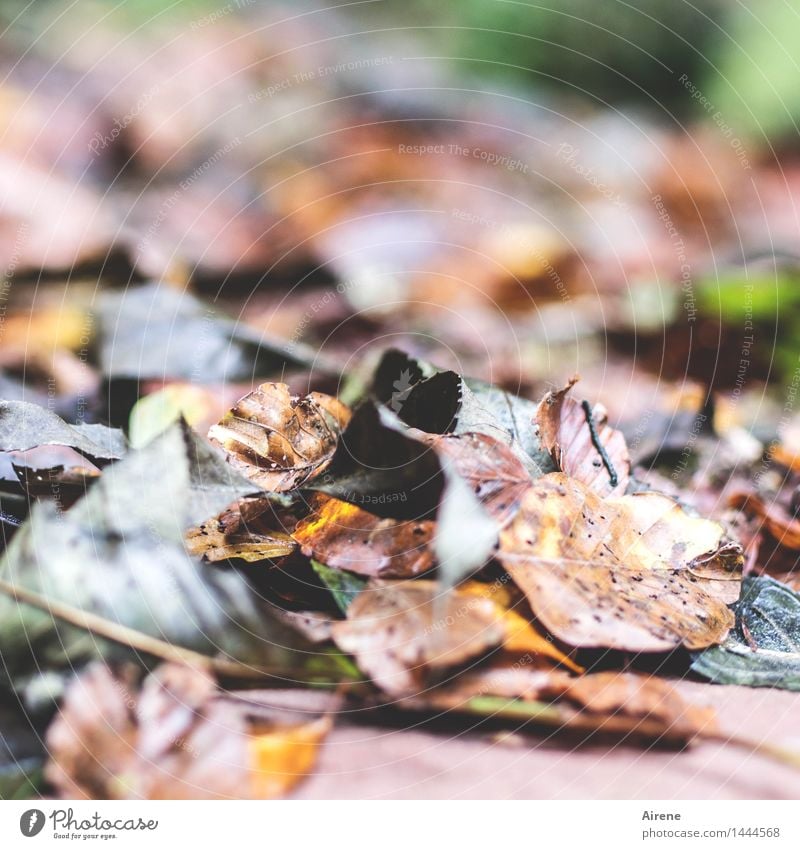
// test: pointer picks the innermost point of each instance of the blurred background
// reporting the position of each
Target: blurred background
(518, 190)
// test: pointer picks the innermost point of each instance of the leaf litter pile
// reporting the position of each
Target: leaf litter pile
(288, 438)
(413, 556)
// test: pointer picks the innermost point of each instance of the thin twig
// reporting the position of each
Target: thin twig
(131, 638)
(601, 449)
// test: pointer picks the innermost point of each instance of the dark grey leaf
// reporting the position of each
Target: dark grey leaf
(119, 553)
(764, 648)
(24, 426)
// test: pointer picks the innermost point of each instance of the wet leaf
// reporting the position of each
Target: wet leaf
(764, 648)
(581, 442)
(401, 632)
(633, 573)
(121, 556)
(343, 536)
(173, 738)
(280, 441)
(24, 426)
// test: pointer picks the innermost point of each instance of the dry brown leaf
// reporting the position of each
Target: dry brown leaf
(566, 433)
(491, 469)
(171, 739)
(633, 573)
(343, 536)
(278, 440)
(249, 530)
(399, 631)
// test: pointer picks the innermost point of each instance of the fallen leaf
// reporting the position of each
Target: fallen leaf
(24, 426)
(343, 536)
(764, 649)
(400, 632)
(773, 517)
(121, 556)
(633, 573)
(279, 441)
(622, 704)
(170, 739)
(490, 468)
(581, 442)
(250, 530)
(444, 403)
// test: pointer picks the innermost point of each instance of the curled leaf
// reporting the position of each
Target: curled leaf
(248, 530)
(581, 442)
(278, 440)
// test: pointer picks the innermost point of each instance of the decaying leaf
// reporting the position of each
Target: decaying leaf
(280, 441)
(764, 649)
(773, 517)
(581, 442)
(633, 573)
(170, 739)
(445, 403)
(249, 530)
(344, 536)
(24, 426)
(400, 632)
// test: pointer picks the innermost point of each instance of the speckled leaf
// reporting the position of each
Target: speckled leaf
(633, 573)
